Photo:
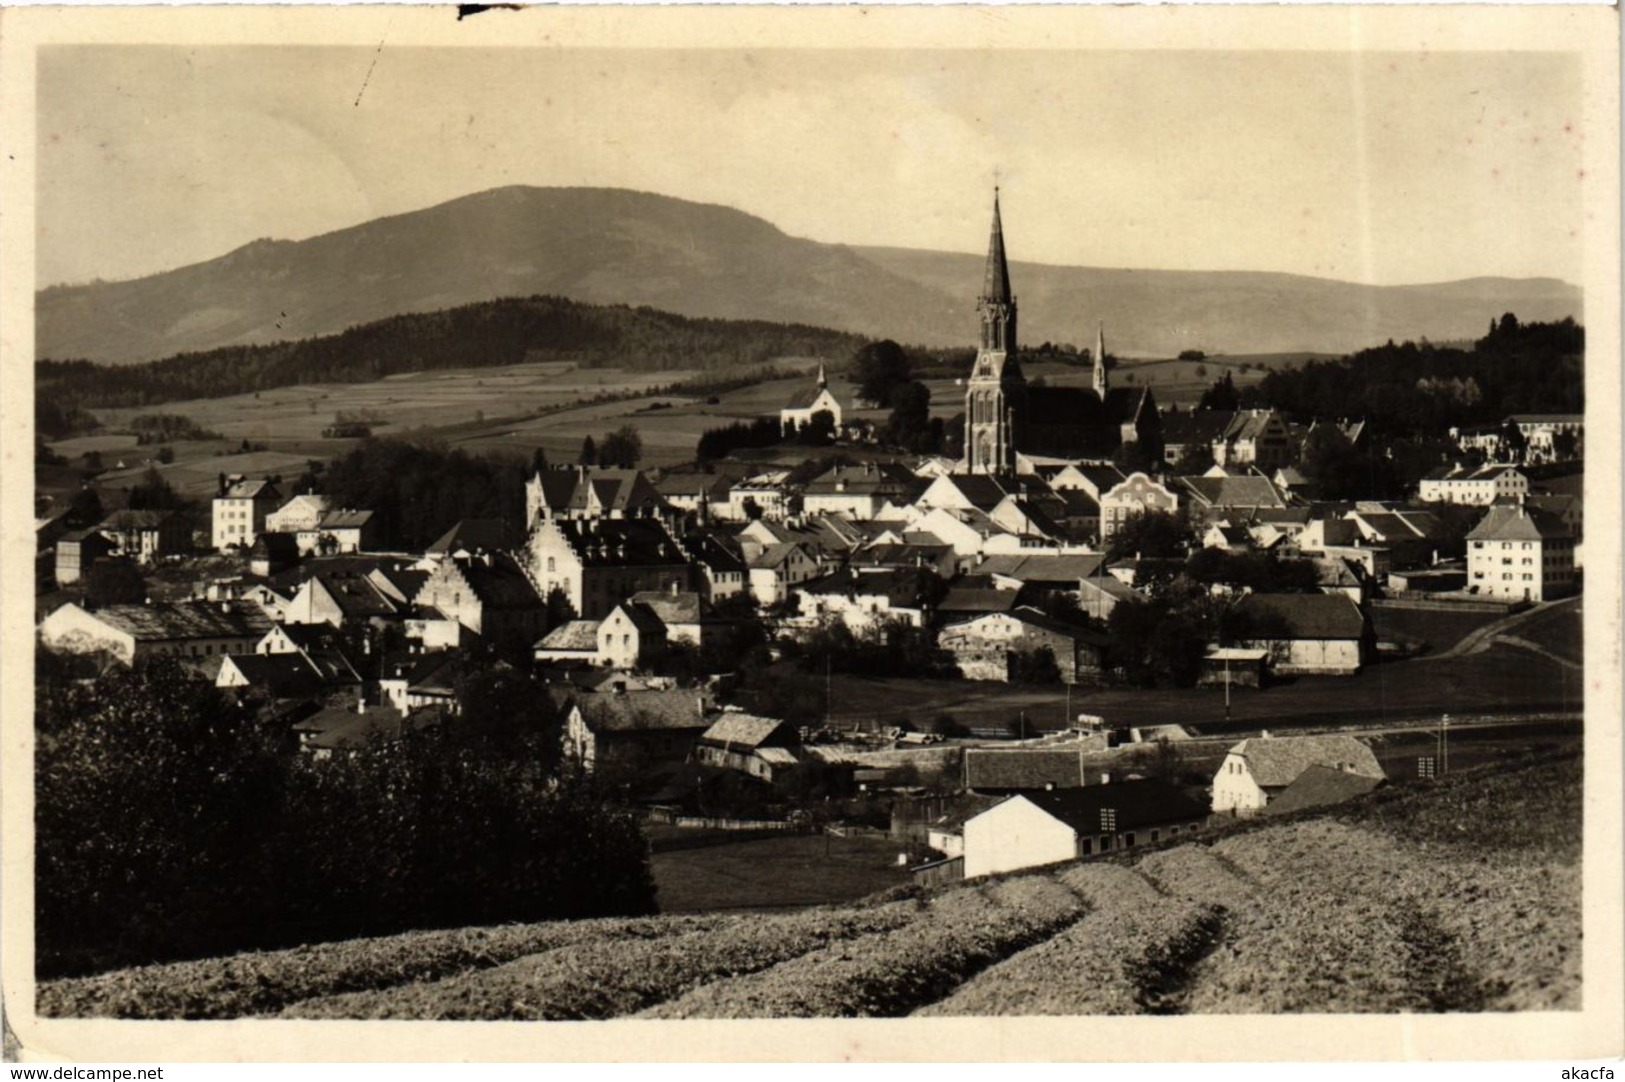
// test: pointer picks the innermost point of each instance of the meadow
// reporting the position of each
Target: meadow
(1472, 910)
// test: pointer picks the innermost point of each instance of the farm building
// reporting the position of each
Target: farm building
(1319, 787)
(634, 727)
(1047, 827)
(735, 740)
(132, 633)
(1234, 665)
(862, 600)
(77, 551)
(1313, 633)
(1259, 769)
(984, 647)
(1018, 770)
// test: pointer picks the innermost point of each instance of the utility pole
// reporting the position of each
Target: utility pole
(1444, 745)
(1227, 687)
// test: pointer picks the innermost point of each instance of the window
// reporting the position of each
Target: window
(1086, 846)
(1128, 840)
(1156, 835)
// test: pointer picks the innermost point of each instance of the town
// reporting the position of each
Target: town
(1078, 622)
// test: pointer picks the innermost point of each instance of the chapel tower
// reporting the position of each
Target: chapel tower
(996, 393)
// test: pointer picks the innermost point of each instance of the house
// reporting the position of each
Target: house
(416, 681)
(1520, 553)
(302, 512)
(573, 640)
(345, 730)
(132, 633)
(1234, 665)
(777, 569)
(719, 570)
(580, 492)
(984, 647)
(905, 556)
(1309, 633)
(862, 600)
(1259, 769)
(964, 600)
(596, 563)
(1546, 435)
(630, 637)
(857, 492)
(1100, 595)
(281, 676)
(734, 740)
(490, 595)
(77, 551)
(1134, 494)
(273, 553)
(683, 614)
(760, 496)
(966, 492)
(340, 598)
(1478, 487)
(634, 727)
(1254, 437)
(696, 493)
(144, 536)
(798, 412)
(1211, 495)
(1048, 827)
(338, 531)
(241, 510)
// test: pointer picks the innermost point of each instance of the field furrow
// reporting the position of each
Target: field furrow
(1128, 955)
(264, 982)
(889, 974)
(594, 980)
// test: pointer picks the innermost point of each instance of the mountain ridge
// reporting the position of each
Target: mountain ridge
(705, 260)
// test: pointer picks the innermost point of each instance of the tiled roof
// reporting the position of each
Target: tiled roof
(571, 635)
(501, 584)
(1137, 804)
(1248, 490)
(713, 553)
(284, 676)
(776, 555)
(900, 586)
(341, 728)
(1275, 762)
(344, 520)
(356, 596)
(1310, 616)
(1198, 426)
(1319, 786)
(740, 731)
(632, 711)
(621, 542)
(980, 490)
(978, 600)
(1022, 768)
(169, 620)
(684, 607)
(135, 520)
(475, 534)
(805, 397)
(1512, 522)
(251, 490)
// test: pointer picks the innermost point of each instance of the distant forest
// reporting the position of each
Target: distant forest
(1422, 388)
(489, 334)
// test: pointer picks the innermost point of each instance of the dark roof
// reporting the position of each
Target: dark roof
(1319, 786)
(342, 728)
(1516, 522)
(900, 586)
(740, 731)
(1197, 426)
(167, 620)
(252, 490)
(1275, 762)
(1068, 570)
(977, 600)
(713, 553)
(982, 491)
(574, 635)
(620, 542)
(501, 583)
(1140, 803)
(806, 396)
(136, 520)
(284, 676)
(1310, 616)
(475, 534)
(1246, 490)
(996, 276)
(901, 556)
(343, 520)
(356, 595)
(1022, 768)
(275, 546)
(867, 479)
(634, 711)
(406, 582)
(683, 607)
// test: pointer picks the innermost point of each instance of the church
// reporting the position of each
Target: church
(1004, 417)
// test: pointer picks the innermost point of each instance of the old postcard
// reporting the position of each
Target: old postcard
(811, 534)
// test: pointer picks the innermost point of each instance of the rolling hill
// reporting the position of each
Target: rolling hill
(609, 246)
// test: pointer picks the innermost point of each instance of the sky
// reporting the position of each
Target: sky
(1385, 168)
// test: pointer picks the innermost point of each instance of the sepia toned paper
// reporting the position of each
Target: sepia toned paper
(884, 55)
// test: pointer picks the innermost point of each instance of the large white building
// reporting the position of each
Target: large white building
(1480, 487)
(1049, 826)
(240, 512)
(1520, 553)
(1259, 769)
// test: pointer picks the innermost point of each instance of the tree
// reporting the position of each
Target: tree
(909, 425)
(589, 452)
(166, 455)
(1036, 666)
(1155, 534)
(1334, 466)
(621, 448)
(1514, 446)
(153, 493)
(879, 367)
(538, 461)
(1195, 459)
(93, 461)
(819, 431)
(1565, 445)
(1221, 396)
(115, 582)
(86, 508)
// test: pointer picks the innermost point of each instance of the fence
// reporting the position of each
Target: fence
(950, 870)
(657, 815)
(1502, 608)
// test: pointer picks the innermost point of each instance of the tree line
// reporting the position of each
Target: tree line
(491, 333)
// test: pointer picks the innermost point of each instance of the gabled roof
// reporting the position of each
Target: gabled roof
(169, 620)
(713, 553)
(777, 555)
(1518, 522)
(1056, 569)
(475, 535)
(905, 555)
(341, 728)
(982, 491)
(1248, 424)
(1319, 786)
(1078, 502)
(806, 396)
(644, 710)
(867, 479)
(683, 607)
(979, 600)
(283, 676)
(1246, 490)
(251, 490)
(741, 731)
(344, 520)
(640, 617)
(1022, 768)
(135, 520)
(578, 635)
(355, 595)
(1136, 805)
(900, 587)
(399, 581)
(1310, 616)
(500, 583)
(1041, 620)
(620, 542)
(1196, 426)
(275, 546)
(1276, 762)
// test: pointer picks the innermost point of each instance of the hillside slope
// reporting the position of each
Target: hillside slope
(611, 246)
(1417, 898)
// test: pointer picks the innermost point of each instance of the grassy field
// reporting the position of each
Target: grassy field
(766, 873)
(1423, 897)
(1438, 630)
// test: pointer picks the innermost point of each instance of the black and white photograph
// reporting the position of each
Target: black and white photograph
(968, 517)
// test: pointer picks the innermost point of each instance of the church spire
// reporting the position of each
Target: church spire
(1100, 359)
(822, 382)
(996, 282)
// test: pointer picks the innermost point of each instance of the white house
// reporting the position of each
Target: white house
(1134, 494)
(193, 629)
(776, 569)
(302, 512)
(1480, 487)
(240, 512)
(1047, 827)
(1258, 769)
(1520, 553)
(630, 637)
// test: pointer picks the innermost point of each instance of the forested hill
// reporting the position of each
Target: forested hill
(1417, 387)
(492, 333)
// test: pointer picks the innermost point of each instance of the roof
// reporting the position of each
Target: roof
(806, 396)
(777, 756)
(900, 586)
(574, 488)
(284, 676)
(775, 555)
(276, 546)
(356, 595)
(683, 607)
(978, 600)
(1245, 490)
(906, 555)
(501, 583)
(1310, 616)
(1236, 653)
(135, 520)
(1547, 418)
(1276, 761)
(1136, 804)
(1518, 522)
(1022, 768)
(571, 635)
(642, 618)
(404, 581)
(1037, 618)
(1248, 424)
(473, 535)
(665, 709)
(342, 728)
(867, 479)
(982, 491)
(344, 520)
(996, 277)
(1319, 786)
(620, 542)
(251, 490)
(167, 620)
(713, 553)
(735, 729)
(1196, 426)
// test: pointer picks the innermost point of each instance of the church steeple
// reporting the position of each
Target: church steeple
(1100, 360)
(822, 382)
(997, 304)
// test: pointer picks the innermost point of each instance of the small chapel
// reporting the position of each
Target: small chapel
(1002, 417)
